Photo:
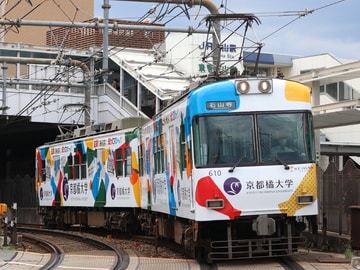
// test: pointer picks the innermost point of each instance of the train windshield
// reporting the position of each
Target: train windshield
(285, 137)
(240, 140)
(224, 140)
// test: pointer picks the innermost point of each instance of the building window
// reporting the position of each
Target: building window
(331, 90)
(249, 70)
(338, 91)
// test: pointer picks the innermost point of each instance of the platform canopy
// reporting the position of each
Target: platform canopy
(336, 114)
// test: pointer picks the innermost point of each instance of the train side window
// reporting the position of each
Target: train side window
(182, 147)
(127, 161)
(83, 170)
(308, 137)
(79, 166)
(119, 160)
(141, 159)
(43, 170)
(156, 158)
(158, 153)
(77, 162)
(162, 157)
(70, 166)
(123, 162)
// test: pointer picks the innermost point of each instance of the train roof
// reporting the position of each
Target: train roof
(119, 124)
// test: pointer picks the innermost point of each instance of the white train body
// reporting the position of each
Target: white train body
(248, 190)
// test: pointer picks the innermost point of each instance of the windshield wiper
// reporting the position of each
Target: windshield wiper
(286, 166)
(237, 163)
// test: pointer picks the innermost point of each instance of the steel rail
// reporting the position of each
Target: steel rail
(56, 253)
(121, 260)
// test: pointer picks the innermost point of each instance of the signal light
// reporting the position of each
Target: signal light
(3, 208)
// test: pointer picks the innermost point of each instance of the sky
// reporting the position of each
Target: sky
(330, 26)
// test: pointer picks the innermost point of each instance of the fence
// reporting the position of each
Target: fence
(339, 190)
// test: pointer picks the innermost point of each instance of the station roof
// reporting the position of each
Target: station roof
(338, 73)
(337, 119)
(269, 59)
(340, 148)
(337, 114)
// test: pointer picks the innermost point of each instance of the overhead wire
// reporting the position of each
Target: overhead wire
(297, 14)
(162, 15)
(37, 97)
(45, 91)
(166, 11)
(33, 9)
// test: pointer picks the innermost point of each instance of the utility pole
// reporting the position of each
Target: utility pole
(106, 6)
(3, 106)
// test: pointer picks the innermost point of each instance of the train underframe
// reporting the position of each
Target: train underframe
(245, 237)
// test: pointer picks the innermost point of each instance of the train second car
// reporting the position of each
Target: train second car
(227, 171)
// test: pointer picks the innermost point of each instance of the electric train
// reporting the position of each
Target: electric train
(226, 170)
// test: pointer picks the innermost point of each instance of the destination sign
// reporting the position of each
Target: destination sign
(220, 105)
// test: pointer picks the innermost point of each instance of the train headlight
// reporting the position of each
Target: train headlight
(215, 204)
(242, 87)
(264, 86)
(305, 199)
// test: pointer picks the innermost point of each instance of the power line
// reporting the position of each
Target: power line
(164, 12)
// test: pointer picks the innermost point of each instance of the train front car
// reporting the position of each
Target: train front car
(254, 168)
(229, 169)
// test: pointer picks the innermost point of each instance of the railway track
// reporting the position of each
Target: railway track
(289, 264)
(56, 253)
(69, 249)
(100, 251)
